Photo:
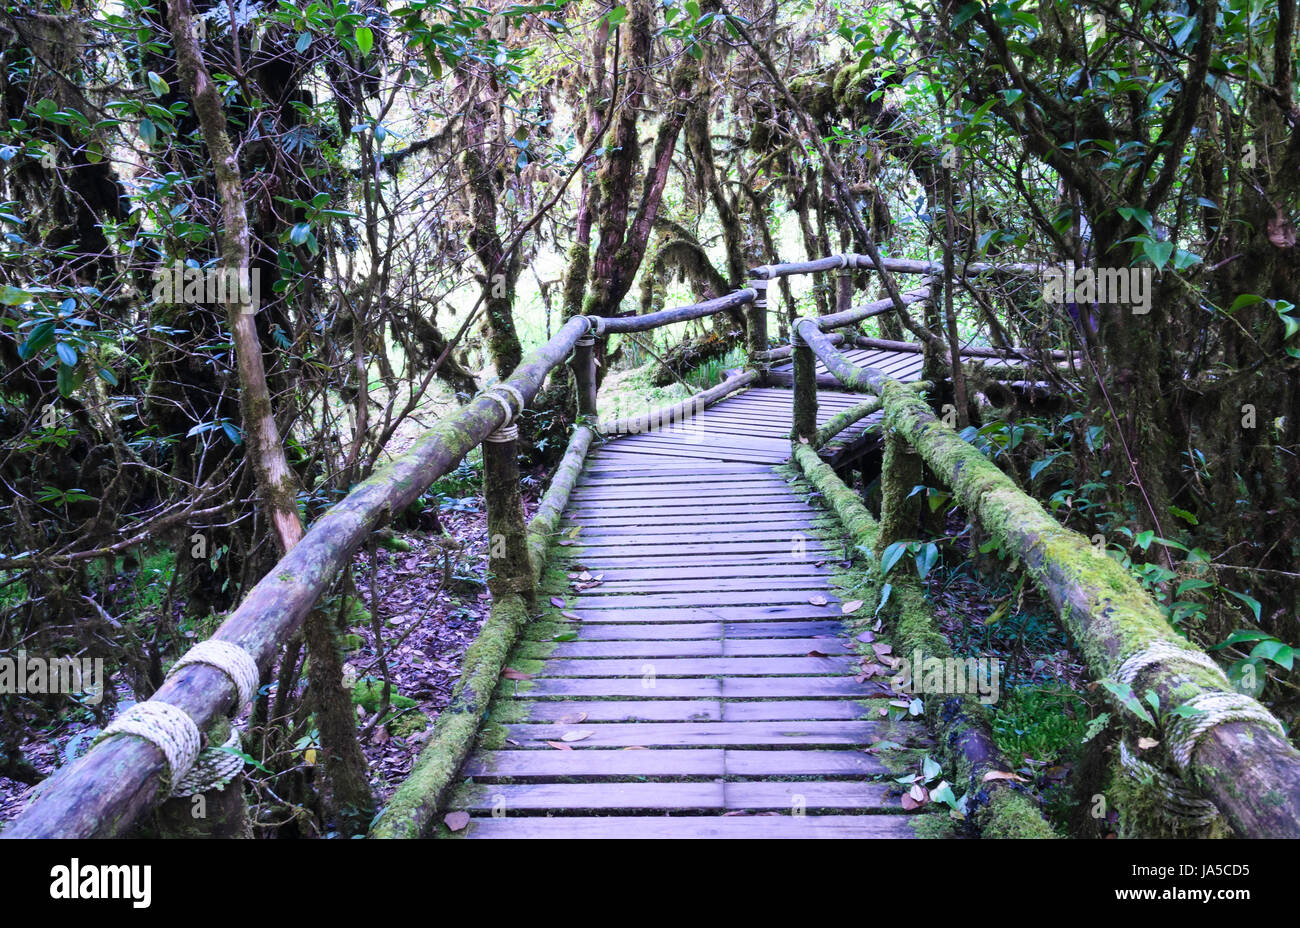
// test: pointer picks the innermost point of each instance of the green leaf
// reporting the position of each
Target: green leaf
(1158, 252)
(1239, 636)
(616, 15)
(1246, 299)
(1124, 693)
(1251, 602)
(303, 43)
(1184, 515)
(1276, 651)
(148, 131)
(298, 234)
(365, 40)
(108, 376)
(926, 558)
(157, 84)
(12, 296)
(891, 556)
(67, 354)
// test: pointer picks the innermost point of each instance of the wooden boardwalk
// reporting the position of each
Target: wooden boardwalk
(710, 690)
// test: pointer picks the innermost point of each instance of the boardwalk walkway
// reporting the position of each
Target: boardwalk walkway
(710, 691)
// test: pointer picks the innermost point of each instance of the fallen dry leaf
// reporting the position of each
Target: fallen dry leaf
(559, 747)
(571, 616)
(853, 605)
(882, 649)
(818, 654)
(576, 735)
(1003, 775)
(456, 820)
(817, 600)
(574, 719)
(1145, 744)
(557, 602)
(867, 637)
(511, 674)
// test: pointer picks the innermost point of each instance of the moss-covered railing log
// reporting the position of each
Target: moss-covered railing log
(860, 379)
(722, 304)
(900, 507)
(1250, 773)
(790, 268)
(411, 810)
(875, 308)
(972, 351)
(546, 518)
(117, 780)
(959, 721)
(785, 351)
(870, 404)
(841, 421)
(668, 415)
(934, 268)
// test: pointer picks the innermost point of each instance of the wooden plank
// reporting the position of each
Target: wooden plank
(594, 539)
(777, 647)
(655, 562)
(698, 734)
(794, 629)
(525, 764)
(683, 632)
(785, 710)
(619, 688)
(671, 568)
(696, 551)
(697, 666)
(702, 586)
(678, 827)
(561, 797)
(832, 763)
(708, 614)
(638, 649)
(803, 688)
(768, 598)
(621, 710)
(808, 796)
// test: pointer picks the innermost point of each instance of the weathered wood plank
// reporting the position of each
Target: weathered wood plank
(536, 764)
(808, 796)
(784, 710)
(701, 734)
(697, 666)
(568, 797)
(621, 710)
(612, 687)
(694, 826)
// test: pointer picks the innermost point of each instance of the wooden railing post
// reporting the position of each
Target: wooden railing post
(805, 388)
(899, 510)
(757, 341)
(584, 374)
(844, 292)
(510, 568)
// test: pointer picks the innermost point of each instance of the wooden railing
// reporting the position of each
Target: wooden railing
(117, 780)
(1217, 743)
(120, 778)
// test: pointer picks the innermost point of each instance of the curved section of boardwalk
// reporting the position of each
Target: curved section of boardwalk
(710, 689)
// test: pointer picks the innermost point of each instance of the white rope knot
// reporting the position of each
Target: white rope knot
(232, 660)
(501, 394)
(1181, 804)
(1186, 731)
(214, 768)
(1159, 652)
(504, 434)
(167, 728)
